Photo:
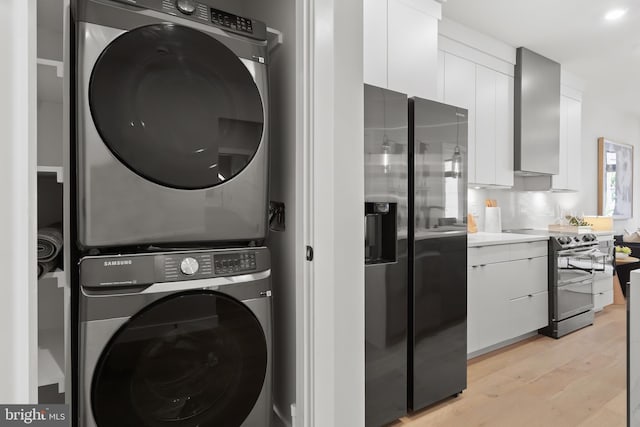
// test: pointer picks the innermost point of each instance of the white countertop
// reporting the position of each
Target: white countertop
(484, 239)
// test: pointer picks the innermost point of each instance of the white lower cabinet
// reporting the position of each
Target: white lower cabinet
(528, 313)
(483, 329)
(507, 293)
(602, 299)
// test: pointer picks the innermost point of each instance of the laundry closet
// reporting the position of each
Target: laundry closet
(75, 180)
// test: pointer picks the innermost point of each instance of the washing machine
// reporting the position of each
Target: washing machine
(179, 339)
(171, 107)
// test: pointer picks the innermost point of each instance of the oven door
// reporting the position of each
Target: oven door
(575, 265)
(573, 298)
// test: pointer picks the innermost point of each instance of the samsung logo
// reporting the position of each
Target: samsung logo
(118, 262)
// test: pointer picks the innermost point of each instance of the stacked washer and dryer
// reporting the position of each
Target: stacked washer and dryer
(171, 211)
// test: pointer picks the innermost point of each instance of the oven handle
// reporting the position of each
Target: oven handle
(586, 280)
(570, 252)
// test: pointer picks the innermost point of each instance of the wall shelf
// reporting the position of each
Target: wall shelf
(58, 275)
(58, 65)
(50, 81)
(57, 170)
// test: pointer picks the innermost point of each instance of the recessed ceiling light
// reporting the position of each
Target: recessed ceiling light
(614, 14)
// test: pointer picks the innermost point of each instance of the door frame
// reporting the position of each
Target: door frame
(330, 201)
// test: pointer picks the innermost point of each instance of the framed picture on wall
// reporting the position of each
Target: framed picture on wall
(615, 179)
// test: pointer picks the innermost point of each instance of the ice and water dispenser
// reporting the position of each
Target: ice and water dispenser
(381, 231)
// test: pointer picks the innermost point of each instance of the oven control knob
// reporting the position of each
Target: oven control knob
(186, 6)
(189, 266)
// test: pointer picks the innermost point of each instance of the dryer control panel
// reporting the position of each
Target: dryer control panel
(200, 11)
(147, 268)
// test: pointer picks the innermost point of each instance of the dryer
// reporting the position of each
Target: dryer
(171, 107)
(175, 339)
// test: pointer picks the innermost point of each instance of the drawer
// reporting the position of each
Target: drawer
(529, 250)
(602, 285)
(602, 300)
(529, 276)
(479, 255)
(528, 314)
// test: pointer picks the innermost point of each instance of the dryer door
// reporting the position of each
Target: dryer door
(195, 359)
(176, 106)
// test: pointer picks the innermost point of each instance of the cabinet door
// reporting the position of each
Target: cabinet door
(485, 125)
(487, 306)
(412, 51)
(535, 280)
(528, 314)
(504, 130)
(560, 181)
(460, 90)
(574, 143)
(375, 42)
(440, 89)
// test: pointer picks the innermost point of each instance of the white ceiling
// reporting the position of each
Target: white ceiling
(573, 32)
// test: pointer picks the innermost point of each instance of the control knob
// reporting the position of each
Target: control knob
(189, 266)
(186, 6)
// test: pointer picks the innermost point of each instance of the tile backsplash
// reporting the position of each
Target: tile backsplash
(524, 209)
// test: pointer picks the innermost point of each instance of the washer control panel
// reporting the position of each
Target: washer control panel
(156, 267)
(193, 265)
(234, 263)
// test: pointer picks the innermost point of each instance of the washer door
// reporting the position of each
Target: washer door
(196, 359)
(176, 106)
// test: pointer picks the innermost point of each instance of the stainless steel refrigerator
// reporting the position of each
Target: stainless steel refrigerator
(415, 253)
(386, 159)
(437, 356)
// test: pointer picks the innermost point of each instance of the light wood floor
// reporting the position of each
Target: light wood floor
(578, 380)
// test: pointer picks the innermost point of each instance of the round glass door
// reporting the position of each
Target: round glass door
(195, 359)
(176, 106)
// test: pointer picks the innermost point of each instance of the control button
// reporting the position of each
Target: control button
(189, 266)
(186, 6)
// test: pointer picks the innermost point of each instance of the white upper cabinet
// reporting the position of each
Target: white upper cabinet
(401, 46)
(504, 130)
(413, 50)
(459, 89)
(488, 95)
(375, 42)
(485, 126)
(568, 178)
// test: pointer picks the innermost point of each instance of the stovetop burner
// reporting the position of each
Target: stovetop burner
(567, 241)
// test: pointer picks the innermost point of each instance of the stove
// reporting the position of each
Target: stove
(573, 261)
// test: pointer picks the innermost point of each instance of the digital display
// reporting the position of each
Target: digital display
(234, 263)
(231, 21)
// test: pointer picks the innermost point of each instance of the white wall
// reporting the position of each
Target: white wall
(18, 314)
(602, 116)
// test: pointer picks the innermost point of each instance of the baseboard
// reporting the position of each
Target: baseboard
(501, 345)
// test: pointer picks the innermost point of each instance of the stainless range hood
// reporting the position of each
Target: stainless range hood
(537, 117)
